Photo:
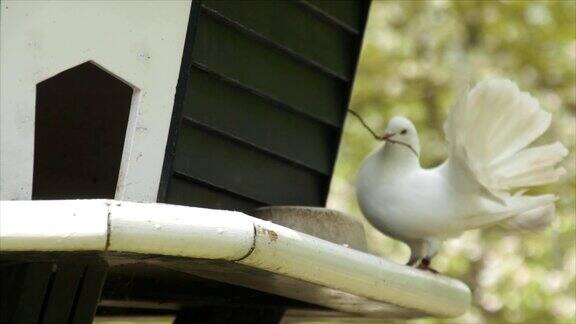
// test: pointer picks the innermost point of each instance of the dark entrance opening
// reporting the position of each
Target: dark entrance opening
(81, 119)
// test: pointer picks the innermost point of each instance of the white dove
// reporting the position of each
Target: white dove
(487, 131)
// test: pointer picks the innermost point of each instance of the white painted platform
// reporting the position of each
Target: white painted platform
(235, 248)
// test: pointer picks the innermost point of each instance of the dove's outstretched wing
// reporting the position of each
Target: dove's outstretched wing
(488, 130)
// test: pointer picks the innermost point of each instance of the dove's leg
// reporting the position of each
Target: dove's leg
(432, 246)
(416, 252)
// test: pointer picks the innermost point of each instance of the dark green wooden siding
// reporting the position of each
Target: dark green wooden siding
(261, 102)
(50, 291)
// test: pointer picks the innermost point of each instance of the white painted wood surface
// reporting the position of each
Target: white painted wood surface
(139, 42)
(198, 233)
(53, 225)
(285, 251)
(179, 231)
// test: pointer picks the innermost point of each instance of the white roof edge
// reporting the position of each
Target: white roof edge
(152, 228)
(53, 225)
(289, 252)
(173, 230)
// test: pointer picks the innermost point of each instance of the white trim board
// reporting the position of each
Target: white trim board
(349, 280)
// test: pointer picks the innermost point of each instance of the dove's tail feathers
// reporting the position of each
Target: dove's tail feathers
(488, 131)
(530, 167)
(527, 212)
(534, 219)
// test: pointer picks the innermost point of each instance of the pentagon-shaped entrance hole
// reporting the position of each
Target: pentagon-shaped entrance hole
(81, 119)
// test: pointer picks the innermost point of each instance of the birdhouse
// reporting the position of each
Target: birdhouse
(139, 138)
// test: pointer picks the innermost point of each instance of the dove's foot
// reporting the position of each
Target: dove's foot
(425, 265)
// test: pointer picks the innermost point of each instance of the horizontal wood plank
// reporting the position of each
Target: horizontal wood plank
(239, 169)
(190, 193)
(227, 52)
(249, 118)
(350, 13)
(291, 26)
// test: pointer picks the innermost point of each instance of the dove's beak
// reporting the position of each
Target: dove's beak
(387, 136)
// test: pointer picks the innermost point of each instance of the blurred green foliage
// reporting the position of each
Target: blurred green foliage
(414, 55)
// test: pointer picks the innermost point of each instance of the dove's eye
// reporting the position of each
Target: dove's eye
(404, 131)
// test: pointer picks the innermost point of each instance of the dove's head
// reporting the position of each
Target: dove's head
(401, 137)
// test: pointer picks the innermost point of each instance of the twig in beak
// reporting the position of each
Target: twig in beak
(376, 136)
(385, 137)
(402, 143)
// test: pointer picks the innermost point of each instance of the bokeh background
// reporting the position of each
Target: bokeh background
(414, 54)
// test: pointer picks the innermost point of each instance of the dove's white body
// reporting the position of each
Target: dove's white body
(413, 203)
(409, 204)
(487, 132)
